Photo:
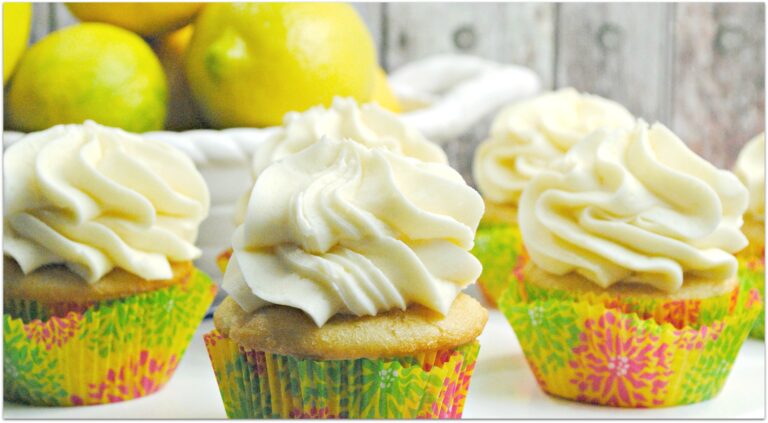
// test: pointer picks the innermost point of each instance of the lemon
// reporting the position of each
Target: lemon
(248, 64)
(146, 19)
(89, 71)
(171, 49)
(382, 92)
(16, 24)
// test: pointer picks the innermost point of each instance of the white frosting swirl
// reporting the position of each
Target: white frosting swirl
(94, 198)
(529, 135)
(341, 228)
(368, 124)
(750, 168)
(634, 206)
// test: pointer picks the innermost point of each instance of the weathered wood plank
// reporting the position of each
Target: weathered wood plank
(41, 24)
(516, 33)
(519, 33)
(620, 51)
(719, 77)
(61, 17)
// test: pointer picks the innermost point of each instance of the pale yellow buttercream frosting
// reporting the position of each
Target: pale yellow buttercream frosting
(529, 135)
(367, 124)
(94, 198)
(750, 168)
(634, 206)
(343, 228)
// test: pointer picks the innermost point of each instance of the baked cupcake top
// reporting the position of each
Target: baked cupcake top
(529, 135)
(95, 198)
(343, 228)
(634, 206)
(750, 168)
(367, 124)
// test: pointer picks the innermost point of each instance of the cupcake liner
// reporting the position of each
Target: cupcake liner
(592, 351)
(113, 351)
(256, 384)
(678, 313)
(223, 259)
(752, 276)
(499, 247)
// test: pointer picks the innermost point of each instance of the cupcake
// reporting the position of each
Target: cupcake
(367, 124)
(100, 295)
(345, 289)
(525, 138)
(630, 298)
(750, 168)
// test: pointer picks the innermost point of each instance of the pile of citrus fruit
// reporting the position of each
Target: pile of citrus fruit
(152, 66)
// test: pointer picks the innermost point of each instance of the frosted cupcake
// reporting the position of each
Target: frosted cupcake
(750, 168)
(525, 138)
(100, 295)
(367, 124)
(345, 289)
(631, 296)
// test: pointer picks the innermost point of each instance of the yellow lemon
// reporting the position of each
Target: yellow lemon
(248, 64)
(382, 92)
(171, 49)
(146, 19)
(17, 18)
(89, 71)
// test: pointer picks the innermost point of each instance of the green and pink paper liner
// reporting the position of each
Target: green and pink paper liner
(752, 276)
(499, 247)
(112, 351)
(257, 384)
(629, 352)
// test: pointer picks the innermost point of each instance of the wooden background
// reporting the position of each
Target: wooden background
(698, 68)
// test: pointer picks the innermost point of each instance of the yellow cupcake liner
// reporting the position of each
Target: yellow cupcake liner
(223, 259)
(256, 384)
(499, 247)
(591, 350)
(113, 351)
(752, 276)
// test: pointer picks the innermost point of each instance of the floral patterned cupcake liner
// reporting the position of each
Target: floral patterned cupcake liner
(678, 313)
(499, 247)
(256, 384)
(222, 260)
(752, 276)
(595, 352)
(113, 351)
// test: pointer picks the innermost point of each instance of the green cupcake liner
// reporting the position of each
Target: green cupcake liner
(752, 276)
(256, 384)
(114, 351)
(499, 247)
(593, 351)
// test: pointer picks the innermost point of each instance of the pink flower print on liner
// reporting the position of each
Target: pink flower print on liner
(257, 360)
(313, 413)
(54, 331)
(696, 339)
(139, 378)
(753, 298)
(617, 364)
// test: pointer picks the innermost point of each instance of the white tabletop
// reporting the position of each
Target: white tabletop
(502, 387)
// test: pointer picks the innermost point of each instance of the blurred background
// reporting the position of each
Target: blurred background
(698, 68)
